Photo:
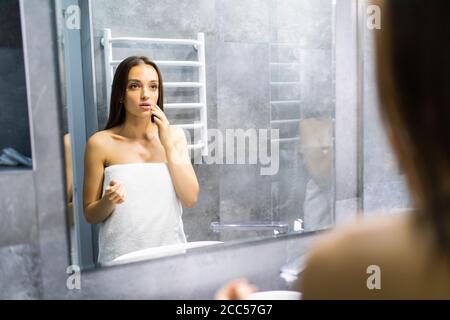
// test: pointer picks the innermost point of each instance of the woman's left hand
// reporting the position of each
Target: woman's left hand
(166, 136)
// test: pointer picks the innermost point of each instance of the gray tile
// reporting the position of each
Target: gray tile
(244, 21)
(317, 88)
(384, 186)
(20, 276)
(197, 220)
(286, 111)
(238, 191)
(17, 208)
(379, 160)
(284, 72)
(346, 109)
(288, 192)
(346, 211)
(386, 196)
(242, 86)
(282, 92)
(308, 24)
(167, 19)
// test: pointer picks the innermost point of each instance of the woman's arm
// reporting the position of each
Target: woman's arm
(179, 163)
(69, 179)
(96, 207)
(181, 170)
(68, 167)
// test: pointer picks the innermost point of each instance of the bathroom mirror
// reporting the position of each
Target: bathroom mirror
(250, 83)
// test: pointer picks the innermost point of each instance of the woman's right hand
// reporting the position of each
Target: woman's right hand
(238, 289)
(115, 192)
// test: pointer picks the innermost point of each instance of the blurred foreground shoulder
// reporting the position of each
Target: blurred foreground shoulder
(338, 264)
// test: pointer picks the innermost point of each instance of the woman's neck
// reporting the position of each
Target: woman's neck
(138, 128)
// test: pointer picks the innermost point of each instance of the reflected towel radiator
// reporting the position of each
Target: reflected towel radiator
(283, 103)
(108, 42)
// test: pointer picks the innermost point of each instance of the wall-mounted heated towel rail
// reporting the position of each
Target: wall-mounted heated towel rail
(108, 43)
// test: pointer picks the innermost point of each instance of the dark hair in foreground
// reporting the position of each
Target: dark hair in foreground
(413, 57)
(119, 87)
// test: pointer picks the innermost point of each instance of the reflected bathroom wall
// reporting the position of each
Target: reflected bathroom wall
(304, 61)
(384, 186)
(269, 65)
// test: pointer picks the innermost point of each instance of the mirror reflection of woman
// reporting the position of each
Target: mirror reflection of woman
(137, 170)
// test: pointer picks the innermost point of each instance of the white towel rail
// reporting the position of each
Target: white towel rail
(128, 40)
(284, 103)
(276, 64)
(285, 121)
(284, 83)
(183, 105)
(189, 125)
(286, 139)
(109, 42)
(168, 63)
(183, 84)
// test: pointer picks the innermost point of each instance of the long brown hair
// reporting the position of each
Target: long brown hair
(119, 86)
(413, 57)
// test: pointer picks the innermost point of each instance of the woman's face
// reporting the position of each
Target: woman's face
(142, 90)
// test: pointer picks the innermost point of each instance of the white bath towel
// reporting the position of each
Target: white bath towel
(149, 217)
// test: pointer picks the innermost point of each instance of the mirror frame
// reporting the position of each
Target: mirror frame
(82, 116)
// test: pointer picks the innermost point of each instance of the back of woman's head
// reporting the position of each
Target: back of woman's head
(413, 57)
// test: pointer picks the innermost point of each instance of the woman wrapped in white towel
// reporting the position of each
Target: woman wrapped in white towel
(138, 172)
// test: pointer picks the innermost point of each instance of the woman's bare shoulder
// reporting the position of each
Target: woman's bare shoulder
(365, 229)
(340, 258)
(100, 142)
(100, 137)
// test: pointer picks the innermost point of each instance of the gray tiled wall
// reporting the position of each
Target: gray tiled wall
(20, 276)
(19, 241)
(18, 208)
(383, 182)
(33, 244)
(347, 112)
